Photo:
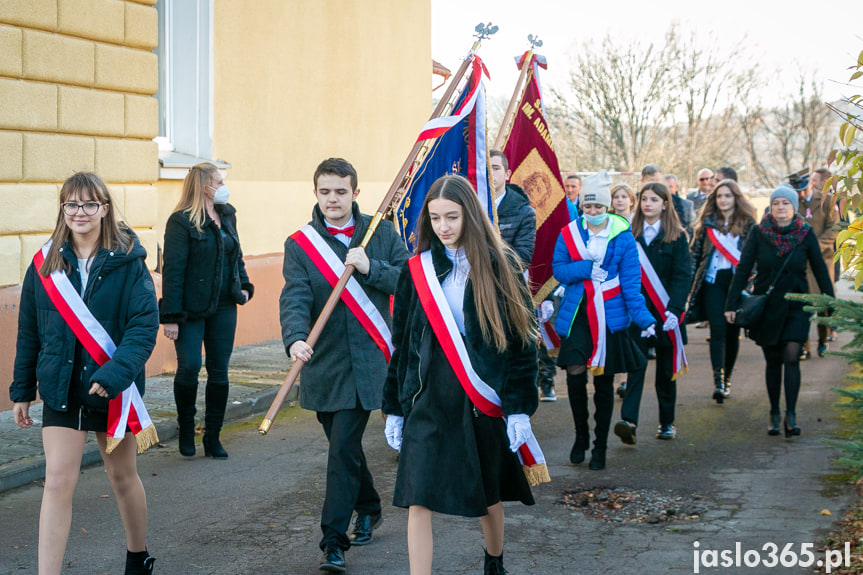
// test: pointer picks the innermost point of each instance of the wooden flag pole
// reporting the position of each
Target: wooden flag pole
(509, 117)
(400, 182)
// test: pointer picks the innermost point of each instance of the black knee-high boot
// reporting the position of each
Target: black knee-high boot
(217, 401)
(185, 396)
(576, 386)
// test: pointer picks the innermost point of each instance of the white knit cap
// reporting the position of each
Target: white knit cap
(596, 189)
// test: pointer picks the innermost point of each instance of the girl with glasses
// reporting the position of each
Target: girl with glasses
(104, 263)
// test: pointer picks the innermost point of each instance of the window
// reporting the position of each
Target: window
(185, 93)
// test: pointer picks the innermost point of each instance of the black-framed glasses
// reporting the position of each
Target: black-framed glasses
(705, 179)
(90, 208)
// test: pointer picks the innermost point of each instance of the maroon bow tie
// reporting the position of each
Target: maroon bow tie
(348, 231)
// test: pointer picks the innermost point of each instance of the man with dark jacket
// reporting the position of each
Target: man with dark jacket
(516, 219)
(344, 374)
(517, 224)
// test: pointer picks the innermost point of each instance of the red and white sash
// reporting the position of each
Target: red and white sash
(595, 294)
(659, 297)
(127, 409)
(481, 394)
(726, 246)
(332, 268)
(549, 337)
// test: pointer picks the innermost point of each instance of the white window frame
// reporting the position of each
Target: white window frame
(186, 85)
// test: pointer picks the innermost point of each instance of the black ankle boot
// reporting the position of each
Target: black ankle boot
(774, 420)
(185, 396)
(576, 454)
(597, 459)
(719, 386)
(139, 563)
(217, 401)
(791, 428)
(727, 381)
(494, 565)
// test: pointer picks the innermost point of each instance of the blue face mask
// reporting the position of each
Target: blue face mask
(596, 220)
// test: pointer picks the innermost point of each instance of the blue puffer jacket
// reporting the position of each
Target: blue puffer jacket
(621, 259)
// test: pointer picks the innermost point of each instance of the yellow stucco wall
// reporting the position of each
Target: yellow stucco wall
(297, 81)
(76, 85)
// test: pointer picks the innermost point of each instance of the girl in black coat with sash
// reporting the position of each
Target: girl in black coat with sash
(658, 232)
(454, 458)
(782, 234)
(106, 265)
(729, 217)
(203, 279)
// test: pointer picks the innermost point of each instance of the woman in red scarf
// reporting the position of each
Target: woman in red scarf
(782, 234)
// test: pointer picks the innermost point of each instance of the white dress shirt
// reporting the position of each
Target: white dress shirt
(650, 231)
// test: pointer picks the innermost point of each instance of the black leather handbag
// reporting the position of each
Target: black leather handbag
(752, 306)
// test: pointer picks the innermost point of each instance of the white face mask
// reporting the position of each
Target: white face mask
(221, 194)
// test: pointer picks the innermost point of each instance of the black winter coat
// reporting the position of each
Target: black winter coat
(516, 220)
(787, 320)
(121, 296)
(702, 254)
(511, 374)
(347, 369)
(192, 270)
(671, 262)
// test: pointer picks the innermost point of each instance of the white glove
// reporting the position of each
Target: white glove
(393, 431)
(650, 331)
(597, 273)
(559, 291)
(518, 430)
(546, 309)
(671, 321)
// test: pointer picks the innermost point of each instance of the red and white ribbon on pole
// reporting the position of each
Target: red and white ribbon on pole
(481, 394)
(125, 410)
(438, 126)
(332, 268)
(659, 297)
(727, 246)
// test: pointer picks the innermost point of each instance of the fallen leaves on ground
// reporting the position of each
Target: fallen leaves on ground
(625, 505)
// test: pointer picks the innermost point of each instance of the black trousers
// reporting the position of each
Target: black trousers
(547, 364)
(349, 483)
(217, 334)
(724, 337)
(666, 388)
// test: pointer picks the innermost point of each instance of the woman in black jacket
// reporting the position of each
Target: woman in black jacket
(203, 279)
(105, 264)
(726, 220)
(782, 235)
(455, 458)
(659, 234)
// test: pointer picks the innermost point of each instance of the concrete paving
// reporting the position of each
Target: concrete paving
(258, 512)
(255, 374)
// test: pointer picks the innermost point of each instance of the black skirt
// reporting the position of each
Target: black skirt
(622, 355)
(454, 459)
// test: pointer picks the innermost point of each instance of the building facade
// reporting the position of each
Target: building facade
(140, 90)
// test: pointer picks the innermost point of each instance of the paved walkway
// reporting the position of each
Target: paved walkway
(255, 374)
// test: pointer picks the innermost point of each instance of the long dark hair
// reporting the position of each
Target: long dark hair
(744, 211)
(670, 221)
(482, 245)
(85, 185)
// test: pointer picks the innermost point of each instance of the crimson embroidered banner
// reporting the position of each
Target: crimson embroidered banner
(534, 166)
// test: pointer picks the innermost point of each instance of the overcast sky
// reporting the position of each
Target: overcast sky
(777, 37)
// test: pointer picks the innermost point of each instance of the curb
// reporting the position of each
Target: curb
(31, 469)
